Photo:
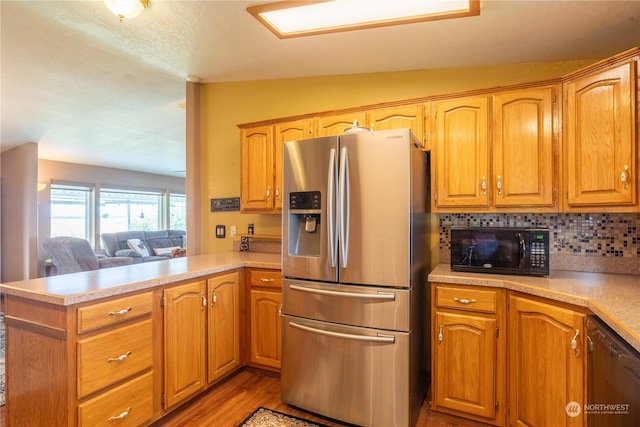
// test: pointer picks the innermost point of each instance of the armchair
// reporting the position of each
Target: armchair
(72, 254)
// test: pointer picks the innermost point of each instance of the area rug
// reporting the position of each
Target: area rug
(263, 417)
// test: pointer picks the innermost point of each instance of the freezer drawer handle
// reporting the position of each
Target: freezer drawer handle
(380, 295)
(389, 339)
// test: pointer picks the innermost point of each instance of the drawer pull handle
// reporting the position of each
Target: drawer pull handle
(121, 312)
(121, 416)
(464, 300)
(266, 280)
(119, 358)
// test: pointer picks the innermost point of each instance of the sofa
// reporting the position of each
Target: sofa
(71, 254)
(144, 246)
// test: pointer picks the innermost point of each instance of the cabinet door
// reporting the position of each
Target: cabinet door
(523, 160)
(184, 340)
(257, 169)
(287, 131)
(224, 324)
(336, 125)
(600, 138)
(465, 363)
(401, 116)
(460, 148)
(545, 373)
(265, 327)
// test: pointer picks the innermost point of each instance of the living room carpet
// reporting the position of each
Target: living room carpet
(263, 417)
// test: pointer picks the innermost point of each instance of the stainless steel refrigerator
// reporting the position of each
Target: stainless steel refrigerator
(355, 253)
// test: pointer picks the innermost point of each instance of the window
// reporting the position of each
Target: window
(177, 212)
(122, 210)
(71, 210)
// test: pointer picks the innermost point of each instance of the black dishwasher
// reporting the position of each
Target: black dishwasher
(613, 378)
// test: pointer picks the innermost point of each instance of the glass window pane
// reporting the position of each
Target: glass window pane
(122, 210)
(177, 212)
(71, 211)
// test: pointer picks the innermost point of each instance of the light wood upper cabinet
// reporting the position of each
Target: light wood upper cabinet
(546, 374)
(510, 168)
(257, 184)
(336, 124)
(184, 341)
(224, 325)
(523, 148)
(460, 164)
(402, 116)
(601, 140)
(286, 131)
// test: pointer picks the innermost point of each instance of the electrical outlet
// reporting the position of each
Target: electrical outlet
(233, 231)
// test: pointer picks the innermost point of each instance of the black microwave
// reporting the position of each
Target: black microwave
(520, 251)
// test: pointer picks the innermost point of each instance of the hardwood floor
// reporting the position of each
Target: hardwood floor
(234, 399)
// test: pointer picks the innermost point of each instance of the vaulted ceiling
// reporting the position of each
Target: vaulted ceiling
(85, 86)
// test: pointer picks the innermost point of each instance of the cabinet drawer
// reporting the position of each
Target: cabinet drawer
(483, 300)
(115, 311)
(130, 404)
(268, 278)
(113, 356)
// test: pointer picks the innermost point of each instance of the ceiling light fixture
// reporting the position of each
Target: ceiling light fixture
(288, 19)
(126, 9)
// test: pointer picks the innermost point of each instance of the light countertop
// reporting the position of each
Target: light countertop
(614, 298)
(68, 289)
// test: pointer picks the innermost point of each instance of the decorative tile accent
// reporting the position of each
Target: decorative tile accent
(607, 235)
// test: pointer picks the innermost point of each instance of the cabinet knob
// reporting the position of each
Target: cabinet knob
(121, 312)
(624, 177)
(574, 343)
(464, 300)
(214, 297)
(499, 185)
(483, 185)
(121, 416)
(269, 193)
(119, 358)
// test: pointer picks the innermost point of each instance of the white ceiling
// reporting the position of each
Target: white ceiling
(89, 89)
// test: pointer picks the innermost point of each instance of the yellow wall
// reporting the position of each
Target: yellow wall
(225, 105)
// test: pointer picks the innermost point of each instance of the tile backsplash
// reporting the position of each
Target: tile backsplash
(599, 242)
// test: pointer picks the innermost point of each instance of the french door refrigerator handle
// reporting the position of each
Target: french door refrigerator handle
(380, 295)
(344, 206)
(331, 206)
(389, 339)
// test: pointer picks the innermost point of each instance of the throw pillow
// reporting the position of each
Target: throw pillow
(138, 246)
(164, 251)
(179, 253)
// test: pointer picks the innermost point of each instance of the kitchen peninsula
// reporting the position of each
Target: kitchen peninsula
(129, 342)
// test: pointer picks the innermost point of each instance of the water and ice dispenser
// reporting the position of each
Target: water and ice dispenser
(304, 223)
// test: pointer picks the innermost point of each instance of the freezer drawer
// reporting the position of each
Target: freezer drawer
(368, 306)
(357, 375)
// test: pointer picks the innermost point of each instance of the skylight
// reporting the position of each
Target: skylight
(304, 18)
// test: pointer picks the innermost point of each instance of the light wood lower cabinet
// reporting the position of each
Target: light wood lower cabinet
(202, 334)
(265, 301)
(224, 325)
(469, 352)
(546, 372)
(184, 341)
(507, 359)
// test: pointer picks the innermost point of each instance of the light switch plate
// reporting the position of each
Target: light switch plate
(221, 231)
